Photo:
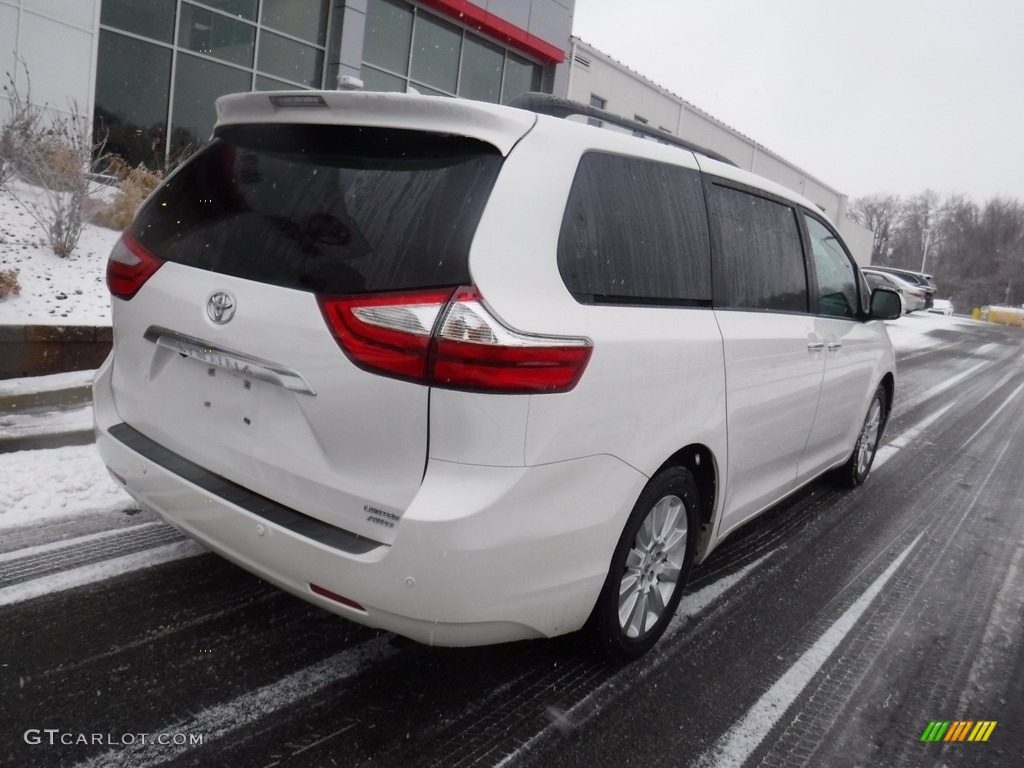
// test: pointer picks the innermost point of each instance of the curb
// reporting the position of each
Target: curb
(40, 407)
(36, 350)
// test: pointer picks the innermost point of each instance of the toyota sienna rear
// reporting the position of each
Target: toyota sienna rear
(464, 372)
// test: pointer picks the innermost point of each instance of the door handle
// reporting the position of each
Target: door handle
(835, 346)
(816, 346)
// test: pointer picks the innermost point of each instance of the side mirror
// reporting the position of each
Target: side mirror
(885, 304)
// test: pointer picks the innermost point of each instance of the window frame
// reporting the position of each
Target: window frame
(591, 299)
(863, 289)
(409, 81)
(810, 282)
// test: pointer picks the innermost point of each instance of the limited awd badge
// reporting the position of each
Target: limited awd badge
(220, 307)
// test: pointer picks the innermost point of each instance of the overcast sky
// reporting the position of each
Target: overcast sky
(867, 95)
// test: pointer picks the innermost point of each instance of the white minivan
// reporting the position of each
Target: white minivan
(472, 373)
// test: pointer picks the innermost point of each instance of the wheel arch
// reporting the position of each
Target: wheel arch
(888, 383)
(700, 461)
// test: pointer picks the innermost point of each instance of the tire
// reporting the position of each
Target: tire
(856, 469)
(649, 568)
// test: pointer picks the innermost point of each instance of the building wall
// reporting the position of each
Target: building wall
(59, 41)
(627, 93)
(56, 41)
(148, 74)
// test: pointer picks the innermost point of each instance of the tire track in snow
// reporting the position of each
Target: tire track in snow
(107, 569)
(39, 561)
(231, 716)
(617, 684)
(745, 736)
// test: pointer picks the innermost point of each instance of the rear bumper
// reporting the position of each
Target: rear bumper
(482, 554)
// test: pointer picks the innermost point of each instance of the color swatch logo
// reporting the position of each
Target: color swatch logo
(958, 730)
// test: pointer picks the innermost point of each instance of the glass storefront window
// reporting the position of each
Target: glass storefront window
(408, 48)
(375, 80)
(264, 83)
(197, 85)
(215, 35)
(388, 35)
(132, 88)
(521, 76)
(148, 18)
(482, 63)
(298, 18)
(147, 120)
(289, 59)
(243, 9)
(437, 46)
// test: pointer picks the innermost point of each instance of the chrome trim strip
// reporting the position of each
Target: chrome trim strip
(237, 363)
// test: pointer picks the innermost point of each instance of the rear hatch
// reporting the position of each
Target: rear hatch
(224, 354)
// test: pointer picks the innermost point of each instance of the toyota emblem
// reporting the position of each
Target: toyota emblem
(220, 307)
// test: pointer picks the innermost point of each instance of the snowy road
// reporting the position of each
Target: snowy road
(830, 632)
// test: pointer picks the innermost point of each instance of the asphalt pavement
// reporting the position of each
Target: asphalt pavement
(839, 629)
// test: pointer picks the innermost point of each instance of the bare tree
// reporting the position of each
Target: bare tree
(975, 252)
(882, 214)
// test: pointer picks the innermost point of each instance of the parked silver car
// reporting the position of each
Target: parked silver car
(912, 296)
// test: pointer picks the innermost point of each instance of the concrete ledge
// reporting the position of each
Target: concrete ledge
(35, 350)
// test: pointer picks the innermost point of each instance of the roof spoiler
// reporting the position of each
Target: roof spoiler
(555, 106)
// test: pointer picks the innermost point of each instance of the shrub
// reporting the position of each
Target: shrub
(9, 283)
(53, 151)
(134, 187)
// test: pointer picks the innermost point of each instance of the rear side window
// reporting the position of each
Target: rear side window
(325, 208)
(759, 262)
(635, 232)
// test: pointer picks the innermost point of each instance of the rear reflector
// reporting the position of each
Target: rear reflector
(450, 339)
(129, 267)
(336, 597)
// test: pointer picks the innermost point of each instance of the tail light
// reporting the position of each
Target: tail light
(129, 267)
(450, 339)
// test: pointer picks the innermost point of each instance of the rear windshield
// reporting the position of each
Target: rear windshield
(328, 209)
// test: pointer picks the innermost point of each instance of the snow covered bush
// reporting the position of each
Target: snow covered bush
(9, 283)
(17, 129)
(52, 151)
(134, 186)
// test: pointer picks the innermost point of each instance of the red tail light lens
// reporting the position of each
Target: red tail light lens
(386, 333)
(451, 340)
(129, 267)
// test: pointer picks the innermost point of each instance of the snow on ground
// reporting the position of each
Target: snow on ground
(914, 331)
(54, 484)
(89, 574)
(50, 383)
(54, 291)
(48, 423)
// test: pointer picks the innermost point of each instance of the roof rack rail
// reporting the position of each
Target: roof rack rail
(556, 106)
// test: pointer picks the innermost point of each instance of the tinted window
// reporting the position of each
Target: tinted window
(635, 231)
(325, 208)
(759, 261)
(837, 280)
(150, 18)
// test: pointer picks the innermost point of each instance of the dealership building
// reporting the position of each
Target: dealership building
(149, 71)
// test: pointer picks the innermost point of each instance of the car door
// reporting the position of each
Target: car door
(852, 349)
(774, 355)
